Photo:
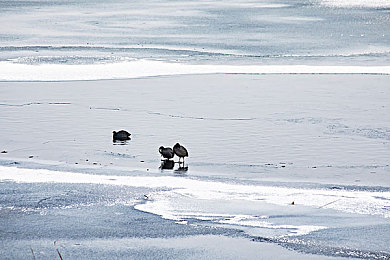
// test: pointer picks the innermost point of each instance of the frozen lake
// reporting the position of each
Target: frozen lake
(283, 106)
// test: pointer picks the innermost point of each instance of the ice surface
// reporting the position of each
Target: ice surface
(293, 151)
(143, 68)
(356, 3)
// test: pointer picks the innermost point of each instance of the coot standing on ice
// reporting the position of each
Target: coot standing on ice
(121, 135)
(166, 152)
(180, 151)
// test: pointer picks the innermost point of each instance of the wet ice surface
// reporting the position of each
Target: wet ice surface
(81, 212)
(98, 221)
(207, 32)
(279, 128)
(250, 158)
(78, 212)
(74, 218)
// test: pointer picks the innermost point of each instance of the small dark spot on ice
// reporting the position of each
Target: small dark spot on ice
(142, 161)
(4, 151)
(314, 167)
(283, 166)
(31, 156)
(76, 163)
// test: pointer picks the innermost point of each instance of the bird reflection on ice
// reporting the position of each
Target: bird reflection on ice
(119, 142)
(170, 164)
(181, 168)
(167, 164)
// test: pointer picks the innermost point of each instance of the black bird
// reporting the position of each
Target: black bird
(180, 151)
(122, 135)
(166, 152)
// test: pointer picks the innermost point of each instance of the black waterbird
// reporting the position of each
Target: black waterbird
(121, 135)
(166, 152)
(180, 151)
